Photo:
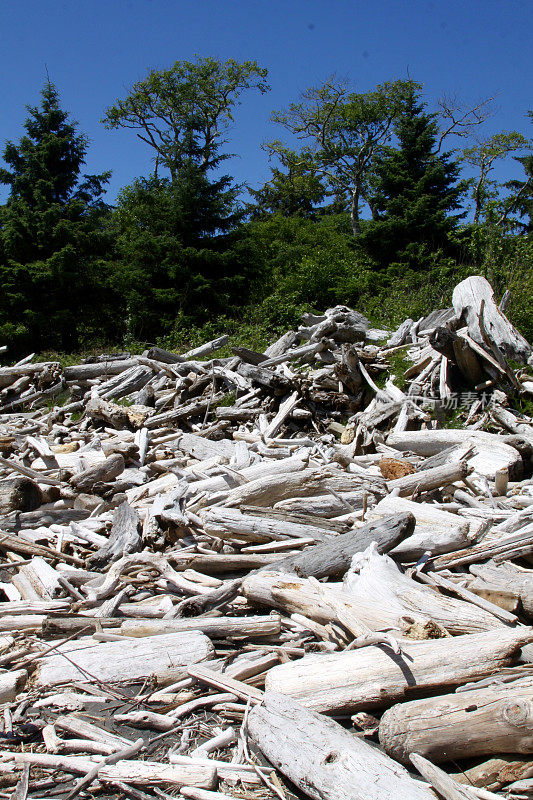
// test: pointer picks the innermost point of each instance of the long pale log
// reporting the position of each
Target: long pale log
(214, 627)
(496, 719)
(225, 523)
(436, 531)
(429, 479)
(375, 677)
(491, 453)
(446, 786)
(83, 372)
(334, 556)
(140, 773)
(133, 659)
(325, 761)
(9, 375)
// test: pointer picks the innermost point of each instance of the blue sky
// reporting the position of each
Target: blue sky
(95, 49)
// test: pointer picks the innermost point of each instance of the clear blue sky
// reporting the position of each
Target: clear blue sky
(95, 49)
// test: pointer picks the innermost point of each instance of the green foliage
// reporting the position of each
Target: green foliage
(184, 112)
(414, 191)
(52, 234)
(482, 157)
(343, 132)
(178, 251)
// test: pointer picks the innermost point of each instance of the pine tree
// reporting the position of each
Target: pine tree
(179, 252)
(51, 231)
(415, 192)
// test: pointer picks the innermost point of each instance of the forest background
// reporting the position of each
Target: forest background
(380, 199)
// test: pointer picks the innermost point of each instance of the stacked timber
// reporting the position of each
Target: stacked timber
(230, 575)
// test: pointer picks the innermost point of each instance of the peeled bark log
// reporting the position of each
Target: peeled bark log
(135, 659)
(325, 761)
(496, 719)
(375, 677)
(332, 558)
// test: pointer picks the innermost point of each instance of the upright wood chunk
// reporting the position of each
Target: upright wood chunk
(19, 494)
(325, 761)
(473, 299)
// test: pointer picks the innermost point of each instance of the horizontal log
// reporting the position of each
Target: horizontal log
(496, 719)
(375, 677)
(214, 627)
(332, 558)
(134, 659)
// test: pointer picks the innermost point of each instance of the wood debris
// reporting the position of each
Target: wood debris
(310, 567)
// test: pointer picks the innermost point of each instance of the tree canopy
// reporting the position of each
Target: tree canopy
(185, 112)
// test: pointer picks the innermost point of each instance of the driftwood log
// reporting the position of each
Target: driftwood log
(374, 677)
(495, 719)
(325, 761)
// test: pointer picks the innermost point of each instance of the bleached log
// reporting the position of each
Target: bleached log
(436, 531)
(9, 375)
(494, 773)
(83, 372)
(325, 761)
(446, 786)
(214, 627)
(123, 539)
(226, 523)
(508, 577)
(383, 596)
(134, 659)
(491, 454)
(325, 505)
(428, 479)
(100, 473)
(474, 297)
(333, 557)
(11, 684)
(44, 579)
(375, 677)
(139, 773)
(493, 720)
(80, 727)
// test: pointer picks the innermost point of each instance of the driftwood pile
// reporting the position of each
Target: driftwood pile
(273, 573)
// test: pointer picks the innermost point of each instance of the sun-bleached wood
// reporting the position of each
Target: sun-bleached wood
(496, 719)
(131, 659)
(324, 760)
(375, 677)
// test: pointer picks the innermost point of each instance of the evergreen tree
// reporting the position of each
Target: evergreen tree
(414, 194)
(51, 231)
(179, 250)
(521, 198)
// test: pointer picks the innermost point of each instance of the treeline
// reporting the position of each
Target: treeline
(374, 201)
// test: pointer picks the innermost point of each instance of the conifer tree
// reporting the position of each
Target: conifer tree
(415, 192)
(51, 231)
